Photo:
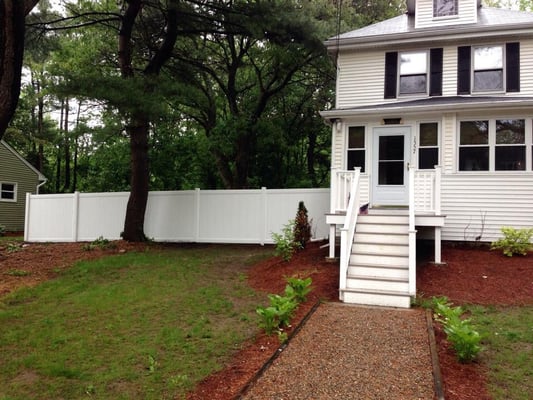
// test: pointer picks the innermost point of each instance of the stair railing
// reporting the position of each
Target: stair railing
(412, 233)
(348, 230)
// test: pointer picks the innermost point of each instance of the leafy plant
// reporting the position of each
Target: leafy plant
(464, 339)
(99, 243)
(2, 230)
(285, 243)
(514, 241)
(302, 226)
(17, 272)
(13, 247)
(298, 288)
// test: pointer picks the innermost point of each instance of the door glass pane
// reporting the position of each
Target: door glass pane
(390, 173)
(391, 148)
(391, 160)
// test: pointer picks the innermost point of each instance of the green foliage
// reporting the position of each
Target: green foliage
(285, 243)
(281, 309)
(2, 230)
(464, 339)
(99, 243)
(17, 272)
(302, 226)
(514, 241)
(298, 288)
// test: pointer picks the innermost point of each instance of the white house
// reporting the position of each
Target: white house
(432, 127)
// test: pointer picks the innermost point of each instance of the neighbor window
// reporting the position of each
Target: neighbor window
(356, 147)
(445, 8)
(488, 69)
(428, 151)
(510, 149)
(413, 72)
(474, 146)
(8, 191)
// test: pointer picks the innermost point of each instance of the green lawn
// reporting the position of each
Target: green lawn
(507, 349)
(133, 326)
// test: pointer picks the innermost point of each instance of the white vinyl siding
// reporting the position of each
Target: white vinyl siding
(424, 14)
(448, 143)
(360, 79)
(449, 71)
(501, 200)
(526, 68)
(337, 147)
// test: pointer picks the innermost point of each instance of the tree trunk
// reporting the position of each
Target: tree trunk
(12, 31)
(134, 223)
(66, 144)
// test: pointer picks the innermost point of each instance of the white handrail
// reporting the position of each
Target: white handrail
(412, 234)
(348, 230)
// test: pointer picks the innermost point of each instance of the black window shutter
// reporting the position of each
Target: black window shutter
(391, 74)
(435, 72)
(463, 69)
(512, 70)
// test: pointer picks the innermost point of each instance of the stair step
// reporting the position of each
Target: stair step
(383, 228)
(383, 219)
(376, 237)
(382, 271)
(396, 284)
(377, 297)
(379, 259)
(381, 249)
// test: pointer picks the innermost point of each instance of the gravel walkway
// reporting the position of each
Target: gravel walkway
(352, 352)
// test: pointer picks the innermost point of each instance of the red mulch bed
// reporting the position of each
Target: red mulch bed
(473, 274)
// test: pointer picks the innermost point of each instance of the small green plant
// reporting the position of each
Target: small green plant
(13, 247)
(17, 272)
(152, 363)
(2, 230)
(298, 288)
(514, 241)
(302, 226)
(99, 243)
(464, 339)
(285, 244)
(268, 319)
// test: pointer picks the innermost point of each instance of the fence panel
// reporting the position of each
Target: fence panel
(211, 216)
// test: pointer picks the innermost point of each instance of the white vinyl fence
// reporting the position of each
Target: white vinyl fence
(209, 216)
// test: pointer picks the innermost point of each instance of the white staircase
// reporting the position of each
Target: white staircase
(378, 270)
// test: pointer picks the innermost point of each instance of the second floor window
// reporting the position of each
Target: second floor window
(488, 68)
(413, 73)
(445, 8)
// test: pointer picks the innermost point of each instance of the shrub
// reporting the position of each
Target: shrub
(464, 339)
(514, 241)
(285, 243)
(298, 288)
(302, 226)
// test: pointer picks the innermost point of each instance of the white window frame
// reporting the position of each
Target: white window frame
(2, 190)
(473, 69)
(437, 146)
(426, 73)
(528, 128)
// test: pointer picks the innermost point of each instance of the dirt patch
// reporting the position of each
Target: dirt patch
(472, 275)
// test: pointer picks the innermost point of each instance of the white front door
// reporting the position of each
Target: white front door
(391, 157)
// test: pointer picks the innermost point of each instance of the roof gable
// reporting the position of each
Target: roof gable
(403, 27)
(40, 176)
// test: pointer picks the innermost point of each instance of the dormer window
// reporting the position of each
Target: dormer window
(488, 68)
(413, 73)
(445, 8)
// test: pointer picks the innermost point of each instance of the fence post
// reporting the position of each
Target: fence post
(264, 195)
(27, 217)
(197, 215)
(75, 215)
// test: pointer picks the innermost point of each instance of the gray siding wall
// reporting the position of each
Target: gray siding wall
(13, 170)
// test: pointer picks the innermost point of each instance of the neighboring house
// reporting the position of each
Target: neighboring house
(17, 177)
(449, 84)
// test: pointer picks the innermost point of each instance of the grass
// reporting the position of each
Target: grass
(508, 349)
(138, 325)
